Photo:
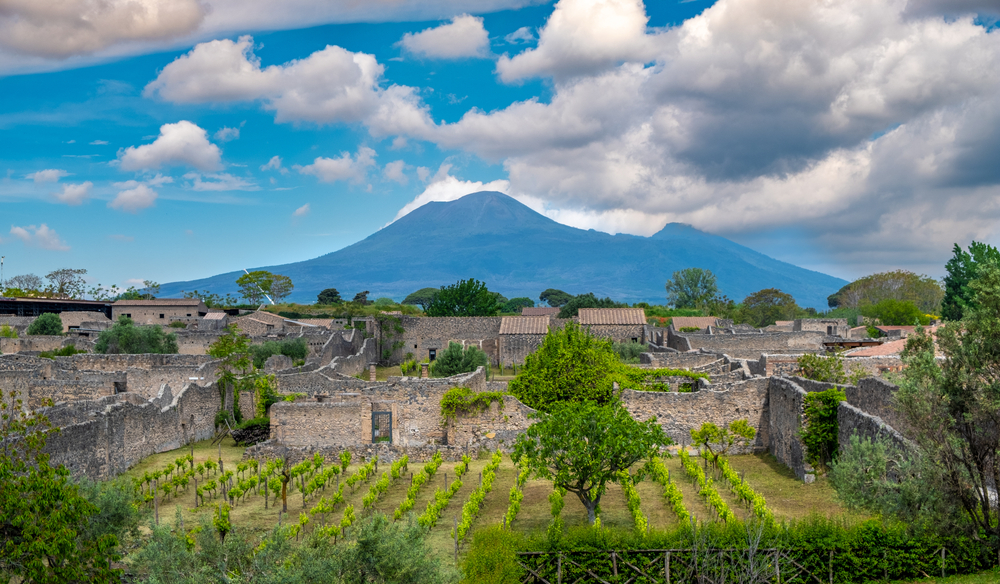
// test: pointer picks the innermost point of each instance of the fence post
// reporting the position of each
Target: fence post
(777, 568)
(195, 492)
(614, 563)
(885, 566)
(942, 561)
(831, 566)
(559, 568)
(156, 510)
(666, 566)
(456, 540)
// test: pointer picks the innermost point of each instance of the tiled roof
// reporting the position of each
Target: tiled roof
(539, 311)
(689, 321)
(161, 302)
(215, 316)
(890, 348)
(612, 316)
(324, 322)
(524, 325)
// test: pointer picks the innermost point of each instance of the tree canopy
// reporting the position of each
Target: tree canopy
(46, 324)
(962, 269)
(455, 360)
(422, 297)
(892, 312)
(555, 298)
(516, 304)
(923, 291)
(126, 338)
(765, 307)
(329, 296)
(588, 300)
(582, 446)
(255, 285)
(691, 288)
(66, 282)
(464, 298)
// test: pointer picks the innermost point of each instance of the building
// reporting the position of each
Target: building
(520, 336)
(833, 327)
(687, 324)
(38, 306)
(161, 310)
(551, 311)
(621, 325)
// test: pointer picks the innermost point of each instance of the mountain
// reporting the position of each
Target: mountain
(518, 252)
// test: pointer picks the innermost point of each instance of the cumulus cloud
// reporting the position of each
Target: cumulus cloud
(445, 187)
(63, 28)
(464, 36)
(521, 35)
(136, 197)
(329, 86)
(182, 143)
(274, 164)
(99, 143)
(585, 37)
(42, 237)
(74, 194)
(343, 168)
(226, 134)
(219, 181)
(301, 211)
(394, 171)
(47, 175)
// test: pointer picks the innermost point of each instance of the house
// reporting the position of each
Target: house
(160, 310)
(833, 327)
(550, 311)
(520, 336)
(687, 324)
(621, 325)
(84, 323)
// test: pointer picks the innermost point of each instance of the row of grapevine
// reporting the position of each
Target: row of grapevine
(671, 493)
(430, 516)
(418, 480)
(471, 508)
(745, 492)
(707, 490)
(382, 484)
(515, 497)
(634, 503)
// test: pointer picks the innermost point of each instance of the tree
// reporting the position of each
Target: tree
(455, 360)
(516, 304)
(46, 324)
(233, 351)
(464, 298)
(44, 521)
(255, 285)
(66, 283)
(719, 441)
(890, 312)
(361, 298)
(951, 411)
(555, 298)
(581, 447)
(962, 269)
(281, 287)
(329, 296)
(923, 291)
(588, 300)
(765, 307)
(691, 288)
(25, 282)
(126, 338)
(422, 297)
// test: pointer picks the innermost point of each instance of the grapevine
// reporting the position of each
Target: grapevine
(418, 480)
(670, 491)
(707, 489)
(515, 497)
(471, 508)
(632, 496)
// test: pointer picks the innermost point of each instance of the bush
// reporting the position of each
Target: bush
(7, 333)
(492, 559)
(67, 351)
(629, 352)
(295, 348)
(455, 360)
(462, 400)
(820, 429)
(178, 324)
(46, 324)
(690, 329)
(126, 338)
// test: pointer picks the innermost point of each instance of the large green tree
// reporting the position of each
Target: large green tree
(66, 282)
(901, 285)
(765, 307)
(45, 523)
(581, 447)
(588, 300)
(464, 298)
(126, 338)
(329, 296)
(516, 304)
(455, 360)
(46, 324)
(281, 287)
(422, 297)
(555, 298)
(255, 286)
(962, 269)
(890, 312)
(691, 288)
(235, 370)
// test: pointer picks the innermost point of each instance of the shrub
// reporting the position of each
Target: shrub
(690, 329)
(492, 559)
(250, 432)
(178, 324)
(462, 400)
(67, 351)
(819, 428)
(126, 338)
(629, 352)
(455, 360)
(8, 333)
(46, 324)
(295, 348)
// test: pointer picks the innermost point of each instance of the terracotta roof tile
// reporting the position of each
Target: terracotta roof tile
(524, 325)
(701, 322)
(539, 311)
(598, 316)
(215, 316)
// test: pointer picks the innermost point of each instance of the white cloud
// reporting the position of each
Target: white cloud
(445, 187)
(74, 194)
(62, 28)
(182, 143)
(521, 35)
(394, 171)
(135, 198)
(465, 36)
(343, 168)
(585, 37)
(47, 175)
(227, 134)
(219, 182)
(302, 211)
(329, 86)
(423, 173)
(41, 237)
(274, 164)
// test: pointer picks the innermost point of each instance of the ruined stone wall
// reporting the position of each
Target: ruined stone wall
(341, 344)
(496, 428)
(98, 362)
(679, 413)
(877, 398)
(32, 343)
(147, 382)
(196, 343)
(358, 362)
(678, 360)
(424, 333)
(620, 333)
(753, 345)
(786, 397)
(515, 348)
(851, 420)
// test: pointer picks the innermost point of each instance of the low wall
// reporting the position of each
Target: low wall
(785, 396)
(358, 362)
(877, 397)
(33, 343)
(678, 360)
(751, 345)
(851, 421)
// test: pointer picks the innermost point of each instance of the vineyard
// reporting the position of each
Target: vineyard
(452, 499)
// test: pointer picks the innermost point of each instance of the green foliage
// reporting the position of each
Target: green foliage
(296, 348)
(178, 325)
(46, 324)
(691, 288)
(706, 488)
(555, 298)
(329, 296)
(720, 441)
(389, 334)
(629, 352)
(471, 508)
(671, 493)
(902, 285)
(890, 312)
(633, 501)
(409, 366)
(419, 479)
(464, 298)
(6, 332)
(822, 368)
(422, 297)
(582, 446)
(259, 284)
(67, 351)
(126, 338)
(588, 300)
(690, 329)
(233, 351)
(213, 300)
(46, 534)
(66, 283)
(492, 558)
(463, 401)
(514, 305)
(455, 360)
(962, 269)
(765, 307)
(515, 497)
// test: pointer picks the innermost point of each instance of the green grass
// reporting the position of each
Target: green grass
(988, 577)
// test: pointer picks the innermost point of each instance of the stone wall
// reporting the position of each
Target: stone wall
(620, 333)
(358, 362)
(423, 333)
(851, 420)
(785, 396)
(751, 345)
(677, 360)
(33, 343)
(877, 398)
(515, 348)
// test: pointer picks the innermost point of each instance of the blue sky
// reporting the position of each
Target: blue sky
(848, 137)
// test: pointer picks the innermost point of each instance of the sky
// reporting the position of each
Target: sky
(173, 140)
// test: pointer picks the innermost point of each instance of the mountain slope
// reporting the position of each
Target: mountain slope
(518, 252)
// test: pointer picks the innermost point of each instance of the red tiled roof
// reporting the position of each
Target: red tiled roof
(890, 348)
(600, 316)
(698, 321)
(524, 325)
(539, 311)
(215, 316)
